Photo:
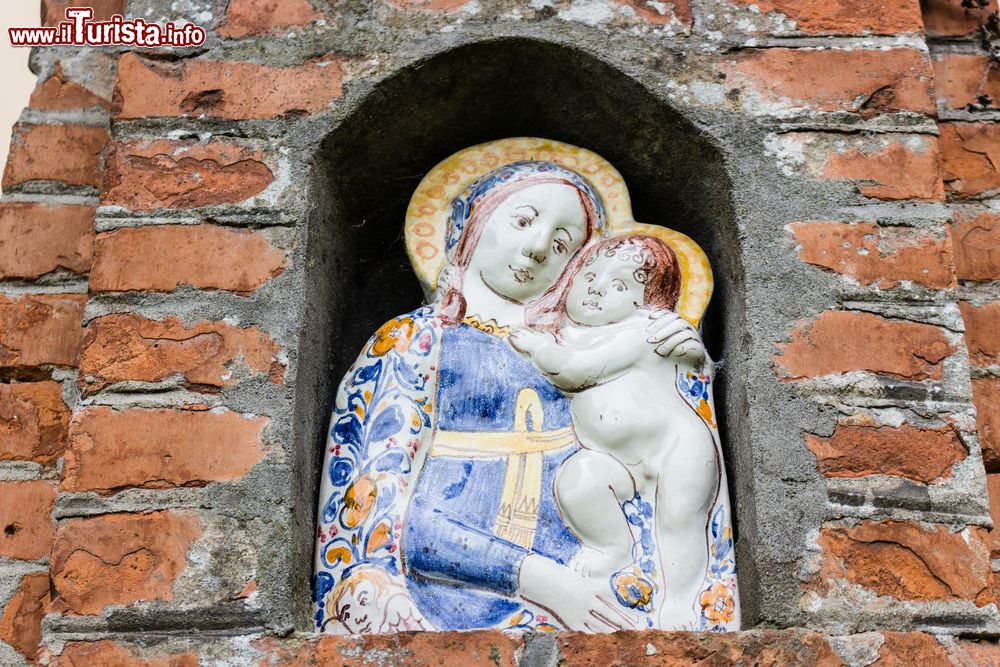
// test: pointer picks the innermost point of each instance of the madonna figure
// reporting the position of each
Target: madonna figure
(437, 507)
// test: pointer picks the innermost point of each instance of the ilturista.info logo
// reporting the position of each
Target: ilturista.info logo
(79, 30)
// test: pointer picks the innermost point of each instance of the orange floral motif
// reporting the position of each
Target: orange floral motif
(395, 333)
(359, 500)
(379, 538)
(633, 591)
(718, 604)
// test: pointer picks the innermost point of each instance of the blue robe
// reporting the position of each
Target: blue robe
(461, 574)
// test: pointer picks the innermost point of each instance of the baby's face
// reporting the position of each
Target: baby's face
(605, 290)
(355, 609)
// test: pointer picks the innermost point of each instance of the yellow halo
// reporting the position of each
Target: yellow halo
(427, 214)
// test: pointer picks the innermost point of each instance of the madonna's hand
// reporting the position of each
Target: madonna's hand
(673, 336)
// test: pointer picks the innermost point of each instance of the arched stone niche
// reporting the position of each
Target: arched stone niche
(358, 275)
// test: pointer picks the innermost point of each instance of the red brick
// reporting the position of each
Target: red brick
(120, 559)
(148, 175)
(986, 398)
(869, 253)
(36, 239)
(414, 649)
(963, 79)
(41, 329)
(948, 18)
(983, 653)
(163, 257)
(214, 354)
(257, 17)
(976, 237)
(159, 449)
(906, 561)
(26, 519)
(982, 332)
(112, 654)
(429, 5)
(59, 93)
(33, 422)
(842, 17)
(676, 11)
(915, 453)
(909, 649)
(54, 11)
(970, 157)
(840, 342)
(70, 154)
(223, 89)
(21, 623)
(993, 489)
(866, 82)
(899, 170)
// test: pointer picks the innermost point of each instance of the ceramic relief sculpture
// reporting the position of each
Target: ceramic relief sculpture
(537, 447)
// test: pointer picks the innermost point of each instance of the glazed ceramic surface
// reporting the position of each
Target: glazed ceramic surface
(537, 447)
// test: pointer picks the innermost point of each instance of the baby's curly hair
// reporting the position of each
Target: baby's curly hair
(657, 269)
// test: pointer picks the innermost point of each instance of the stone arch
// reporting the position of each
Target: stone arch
(369, 164)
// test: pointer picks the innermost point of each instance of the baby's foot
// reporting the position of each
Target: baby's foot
(592, 563)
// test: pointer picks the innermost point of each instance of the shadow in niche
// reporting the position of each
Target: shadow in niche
(358, 274)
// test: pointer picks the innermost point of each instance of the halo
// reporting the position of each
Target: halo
(427, 214)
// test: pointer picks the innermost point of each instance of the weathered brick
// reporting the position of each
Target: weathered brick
(36, 239)
(159, 449)
(60, 93)
(70, 154)
(993, 489)
(976, 237)
(908, 649)
(888, 167)
(869, 253)
(257, 17)
(970, 158)
(21, 623)
(983, 653)
(54, 11)
(224, 89)
(33, 422)
(868, 82)
(661, 13)
(953, 18)
(214, 354)
(119, 558)
(162, 257)
(642, 649)
(907, 561)
(840, 342)
(818, 17)
(41, 329)
(854, 450)
(26, 519)
(982, 332)
(963, 79)
(986, 398)
(112, 654)
(147, 175)
(429, 5)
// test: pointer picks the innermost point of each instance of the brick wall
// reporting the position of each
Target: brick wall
(167, 216)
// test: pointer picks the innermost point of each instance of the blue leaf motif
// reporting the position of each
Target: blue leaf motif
(347, 430)
(387, 423)
(368, 373)
(392, 460)
(331, 508)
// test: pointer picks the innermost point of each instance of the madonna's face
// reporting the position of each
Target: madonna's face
(528, 240)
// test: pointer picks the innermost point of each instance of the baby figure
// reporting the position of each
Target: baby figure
(639, 492)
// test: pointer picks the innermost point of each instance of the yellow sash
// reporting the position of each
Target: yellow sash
(524, 448)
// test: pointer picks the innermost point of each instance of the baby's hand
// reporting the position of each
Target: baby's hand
(529, 342)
